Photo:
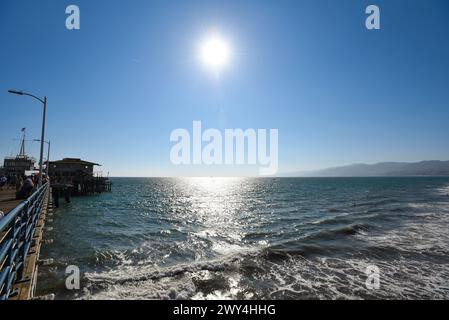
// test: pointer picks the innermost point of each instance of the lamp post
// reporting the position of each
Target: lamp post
(44, 102)
(48, 155)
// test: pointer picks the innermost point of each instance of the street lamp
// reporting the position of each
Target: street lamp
(48, 155)
(44, 101)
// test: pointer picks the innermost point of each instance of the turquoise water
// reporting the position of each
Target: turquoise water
(246, 238)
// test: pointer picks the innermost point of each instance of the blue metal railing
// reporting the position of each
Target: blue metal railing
(16, 237)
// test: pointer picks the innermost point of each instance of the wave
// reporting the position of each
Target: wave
(292, 246)
(337, 232)
(273, 274)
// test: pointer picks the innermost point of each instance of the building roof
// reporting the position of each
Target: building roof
(75, 161)
(19, 157)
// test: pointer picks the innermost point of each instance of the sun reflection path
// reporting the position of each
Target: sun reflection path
(217, 207)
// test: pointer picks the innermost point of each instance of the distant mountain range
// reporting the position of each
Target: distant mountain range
(423, 168)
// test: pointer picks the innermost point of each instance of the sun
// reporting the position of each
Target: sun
(215, 52)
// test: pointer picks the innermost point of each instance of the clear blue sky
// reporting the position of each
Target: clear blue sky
(338, 93)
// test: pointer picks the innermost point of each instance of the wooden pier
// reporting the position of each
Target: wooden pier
(25, 290)
(8, 200)
(21, 232)
(22, 223)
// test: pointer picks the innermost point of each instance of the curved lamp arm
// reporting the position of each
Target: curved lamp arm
(21, 93)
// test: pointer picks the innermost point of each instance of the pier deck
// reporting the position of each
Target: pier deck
(21, 232)
(26, 289)
(8, 200)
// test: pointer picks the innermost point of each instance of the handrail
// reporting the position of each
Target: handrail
(16, 238)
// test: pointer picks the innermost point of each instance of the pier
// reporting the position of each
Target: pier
(21, 231)
(22, 221)
(8, 200)
(75, 177)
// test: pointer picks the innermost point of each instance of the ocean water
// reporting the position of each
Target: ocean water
(247, 238)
